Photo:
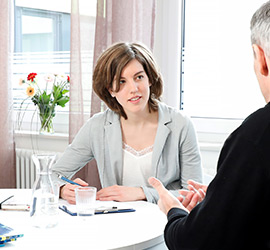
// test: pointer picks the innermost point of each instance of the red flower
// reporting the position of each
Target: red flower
(31, 76)
(68, 79)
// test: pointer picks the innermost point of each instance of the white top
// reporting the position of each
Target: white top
(136, 166)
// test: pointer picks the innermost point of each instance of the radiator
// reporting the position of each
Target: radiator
(25, 167)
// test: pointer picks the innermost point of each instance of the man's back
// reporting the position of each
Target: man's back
(235, 212)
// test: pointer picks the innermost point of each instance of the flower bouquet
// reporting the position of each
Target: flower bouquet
(54, 93)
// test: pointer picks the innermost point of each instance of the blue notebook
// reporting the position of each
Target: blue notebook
(7, 234)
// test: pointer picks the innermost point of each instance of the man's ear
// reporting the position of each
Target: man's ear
(261, 63)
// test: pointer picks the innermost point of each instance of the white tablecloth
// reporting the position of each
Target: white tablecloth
(135, 230)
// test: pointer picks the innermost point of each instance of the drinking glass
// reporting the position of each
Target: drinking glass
(85, 201)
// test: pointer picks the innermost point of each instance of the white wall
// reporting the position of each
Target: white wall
(167, 48)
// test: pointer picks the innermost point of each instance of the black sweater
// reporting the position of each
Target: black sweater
(235, 213)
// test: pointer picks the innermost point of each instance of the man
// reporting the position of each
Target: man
(235, 212)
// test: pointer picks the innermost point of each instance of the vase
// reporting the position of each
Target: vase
(44, 203)
(46, 123)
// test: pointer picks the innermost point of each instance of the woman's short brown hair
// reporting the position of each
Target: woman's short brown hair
(110, 65)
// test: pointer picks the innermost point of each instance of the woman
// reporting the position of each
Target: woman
(137, 136)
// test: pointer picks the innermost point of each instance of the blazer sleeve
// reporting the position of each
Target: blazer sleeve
(77, 154)
(151, 194)
(190, 158)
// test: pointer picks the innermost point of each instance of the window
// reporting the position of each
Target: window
(41, 30)
(220, 87)
(42, 45)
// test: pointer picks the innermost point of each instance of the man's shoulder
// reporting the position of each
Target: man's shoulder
(258, 122)
(256, 128)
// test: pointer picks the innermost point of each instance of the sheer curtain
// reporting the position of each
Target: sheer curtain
(7, 149)
(116, 20)
(123, 20)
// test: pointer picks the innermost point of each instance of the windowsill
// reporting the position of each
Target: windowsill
(33, 140)
(210, 146)
(54, 136)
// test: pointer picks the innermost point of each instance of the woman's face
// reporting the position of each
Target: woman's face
(134, 91)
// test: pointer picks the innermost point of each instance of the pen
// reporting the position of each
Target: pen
(65, 209)
(68, 180)
(6, 200)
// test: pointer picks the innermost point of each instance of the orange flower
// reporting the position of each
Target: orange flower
(30, 91)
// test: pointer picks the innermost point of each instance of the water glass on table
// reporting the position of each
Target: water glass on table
(85, 201)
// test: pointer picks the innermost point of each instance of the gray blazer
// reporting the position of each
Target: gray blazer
(175, 159)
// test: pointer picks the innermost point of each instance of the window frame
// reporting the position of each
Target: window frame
(60, 21)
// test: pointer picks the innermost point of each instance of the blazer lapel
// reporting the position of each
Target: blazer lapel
(113, 137)
(162, 134)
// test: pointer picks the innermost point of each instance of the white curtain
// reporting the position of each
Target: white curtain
(123, 20)
(7, 148)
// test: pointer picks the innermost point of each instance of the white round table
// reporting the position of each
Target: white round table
(142, 229)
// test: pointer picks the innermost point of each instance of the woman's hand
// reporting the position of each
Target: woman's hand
(120, 193)
(67, 192)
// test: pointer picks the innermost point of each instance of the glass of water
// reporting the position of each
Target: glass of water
(85, 201)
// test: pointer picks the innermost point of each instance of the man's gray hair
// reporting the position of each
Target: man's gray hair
(260, 28)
